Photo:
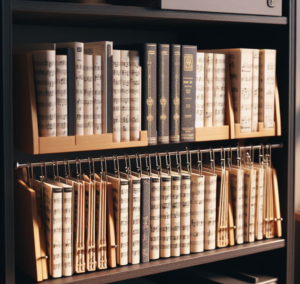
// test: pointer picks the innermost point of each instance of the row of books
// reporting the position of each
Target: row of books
(168, 90)
(98, 221)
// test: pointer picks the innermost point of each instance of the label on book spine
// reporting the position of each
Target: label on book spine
(163, 93)
(175, 93)
(188, 90)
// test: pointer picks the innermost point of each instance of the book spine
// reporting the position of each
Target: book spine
(98, 225)
(61, 96)
(219, 90)
(255, 89)
(247, 188)
(117, 96)
(145, 219)
(125, 96)
(199, 90)
(210, 198)
(67, 243)
(79, 87)
(175, 60)
(208, 90)
(103, 240)
(123, 213)
(135, 96)
(163, 70)
(97, 95)
(267, 70)
(188, 91)
(109, 95)
(185, 214)
(175, 216)
(197, 213)
(88, 95)
(165, 217)
(150, 92)
(259, 204)
(252, 206)
(134, 228)
(154, 217)
(45, 86)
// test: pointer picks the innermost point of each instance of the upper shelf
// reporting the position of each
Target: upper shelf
(56, 13)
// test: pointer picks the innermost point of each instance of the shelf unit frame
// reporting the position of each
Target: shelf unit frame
(19, 12)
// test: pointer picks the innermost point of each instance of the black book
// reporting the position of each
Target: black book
(145, 218)
(70, 85)
(175, 60)
(163, 70)
(148, 60)
(188, 90)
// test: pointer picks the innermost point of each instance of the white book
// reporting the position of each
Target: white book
(249, 204)
(53, 217)
(210, 200)
(200, 90)
(175, 214)
(185, 213)
(125, 96)
(79, 109)
(165, 216)
(105, 49)
(219, 90)
(117, 96)
(255, 89)
(267, 73)
(120, 192)
(135, 96)
(197, 213)
(259, 209)
(208, 89)
(154, 216)
(97, 95)
(237, 191)
(88, 95)
(134, 220)
(45, 86)
(61, 96)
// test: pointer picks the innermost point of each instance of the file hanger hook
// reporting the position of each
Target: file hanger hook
(127, 165)
(54, 162)
(77, 169)
(212, 160)
(168, 165)
(178, 162)
(199, 161)
(67, 168)
(91, 160)
(252, 156)
(229, 159)
(42, 173)
(103, 172)
(262, 152)
(158, 163)
(270, 151)
(148, 163)
(222, 158)
(138, 164)
(188, 160)
(238, 156)
(29, 169)
(116, 166)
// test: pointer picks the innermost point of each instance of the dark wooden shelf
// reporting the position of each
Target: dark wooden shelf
(56, 13)
(163, 265)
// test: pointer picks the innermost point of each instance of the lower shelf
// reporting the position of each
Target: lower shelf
(169, 264)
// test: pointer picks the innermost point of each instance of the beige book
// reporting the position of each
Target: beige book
(117, 96)
(277, 213)
(125, 96)
(97, 95)
(208, 89)
(88, 95)
(255, 89)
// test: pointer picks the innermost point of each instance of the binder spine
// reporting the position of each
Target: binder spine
(175, 216)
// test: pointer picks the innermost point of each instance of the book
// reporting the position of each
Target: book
(117, 95)
(120, 188)
(259, 203)
(175, 60)
(218, 115)
(255, 90)
(188, 90)
(267, 74)
(88, 95)
(45, 86)
(105, 49)
(78, 82)
(197, 212)
(125, 96)
(97, 99)
(277, 212)
(163, 70)
(61, 96)
(199, 117)
(208, 89)
(69, 52)
(135, 95)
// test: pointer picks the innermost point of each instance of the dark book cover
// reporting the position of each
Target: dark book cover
(188, 90)
(109, 98)
(145, 218)
(175, 59)
(70, 87)
(163, 86)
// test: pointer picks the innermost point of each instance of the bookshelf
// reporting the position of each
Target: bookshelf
(36, 21)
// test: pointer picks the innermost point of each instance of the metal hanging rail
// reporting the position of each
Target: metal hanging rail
(216, 150)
